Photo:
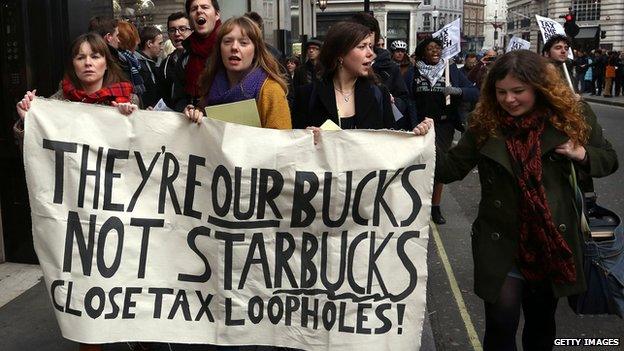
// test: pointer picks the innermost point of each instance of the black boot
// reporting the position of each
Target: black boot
(436, 215)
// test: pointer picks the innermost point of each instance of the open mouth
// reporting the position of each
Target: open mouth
(201, 21)
(234, 59)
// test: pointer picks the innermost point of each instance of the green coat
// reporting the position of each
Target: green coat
(495, 231)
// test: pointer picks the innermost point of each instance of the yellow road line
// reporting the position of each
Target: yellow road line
(463, 311)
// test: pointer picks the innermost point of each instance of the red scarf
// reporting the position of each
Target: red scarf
(201, 48)
(118, 92)
(543, 253)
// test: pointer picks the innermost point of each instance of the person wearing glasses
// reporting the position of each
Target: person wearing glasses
(178, 28)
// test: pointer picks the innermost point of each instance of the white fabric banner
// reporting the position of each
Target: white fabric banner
(549, 27)
(517, 43)
(151, 228)
(450, 35)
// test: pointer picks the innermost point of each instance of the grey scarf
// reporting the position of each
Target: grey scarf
(432, 73)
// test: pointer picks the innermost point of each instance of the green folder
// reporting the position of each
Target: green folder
(242, 112)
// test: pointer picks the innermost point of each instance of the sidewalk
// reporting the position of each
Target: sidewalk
(613, 101)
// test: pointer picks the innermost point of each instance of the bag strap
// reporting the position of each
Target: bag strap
(579, 203)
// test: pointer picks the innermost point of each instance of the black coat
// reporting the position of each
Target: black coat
(390, 75)
(315, 103)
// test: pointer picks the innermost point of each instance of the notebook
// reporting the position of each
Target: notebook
(242, 112)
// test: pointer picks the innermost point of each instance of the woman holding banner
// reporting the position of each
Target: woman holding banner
(429, 91)
(525, 134)
(91, 76)
(242, 68)
(347, 92)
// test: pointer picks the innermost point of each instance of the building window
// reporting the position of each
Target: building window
(587, 10)
(397, 27)
(427, 22)
(427, 2)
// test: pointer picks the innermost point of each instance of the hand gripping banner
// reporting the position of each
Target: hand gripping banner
(151, 228)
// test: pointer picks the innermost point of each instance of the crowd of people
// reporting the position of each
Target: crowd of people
(599, 72)
(523, 126)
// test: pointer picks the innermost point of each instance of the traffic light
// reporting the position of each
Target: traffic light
(570, 26)
(603, 34)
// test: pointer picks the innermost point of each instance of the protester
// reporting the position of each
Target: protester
(473, 69)
(399, 55)
(108, 29)
(556, 48)
(242, 68)
(178, 28)
(619, 74)
(526, 132)
(307, 72)
(429, 92)
(588, 77)
(205, 18)
(292, 62)
(610, 75)
(599, 65)
(128, 41)
(389, 73)
(149, 50)
(91, 76)
(346, 93)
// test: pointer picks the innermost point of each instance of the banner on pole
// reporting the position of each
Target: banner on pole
(517, 43)
(450, 35)
(549, 27)
(151, 228)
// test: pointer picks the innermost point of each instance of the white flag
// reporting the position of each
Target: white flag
(517, 43)
(550, 27)
(451, 39)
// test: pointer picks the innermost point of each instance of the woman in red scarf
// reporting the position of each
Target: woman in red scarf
(525, 134)
(91, 76)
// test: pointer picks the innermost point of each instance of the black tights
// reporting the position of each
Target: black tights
(502, 317)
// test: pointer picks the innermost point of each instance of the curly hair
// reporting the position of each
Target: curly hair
(551, 94)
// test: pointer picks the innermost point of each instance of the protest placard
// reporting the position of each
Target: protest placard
(517, 43)
(451, 39)
(152, 228)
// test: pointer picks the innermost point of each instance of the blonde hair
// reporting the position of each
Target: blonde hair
(262, 57)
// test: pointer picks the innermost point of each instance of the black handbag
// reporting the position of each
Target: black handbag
(602, 237)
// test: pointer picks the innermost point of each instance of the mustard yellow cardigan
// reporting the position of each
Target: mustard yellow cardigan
(273, 106)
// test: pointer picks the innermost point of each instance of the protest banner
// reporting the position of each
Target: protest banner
(450, 35)
(517, 43)
(152, 228)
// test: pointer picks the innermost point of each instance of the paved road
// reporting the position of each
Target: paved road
(450, 330)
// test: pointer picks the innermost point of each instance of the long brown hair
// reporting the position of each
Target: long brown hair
(341, 38)
(551, 94)
(262, 57)
(113, 73)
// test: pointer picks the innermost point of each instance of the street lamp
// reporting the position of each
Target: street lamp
(497, 25)
(435, 14)
(322, 4)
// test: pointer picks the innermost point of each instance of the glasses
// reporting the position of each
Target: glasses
(182, 30)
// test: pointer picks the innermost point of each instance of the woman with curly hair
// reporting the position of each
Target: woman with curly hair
(524, 136)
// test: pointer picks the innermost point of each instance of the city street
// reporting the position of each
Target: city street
(455, 312)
